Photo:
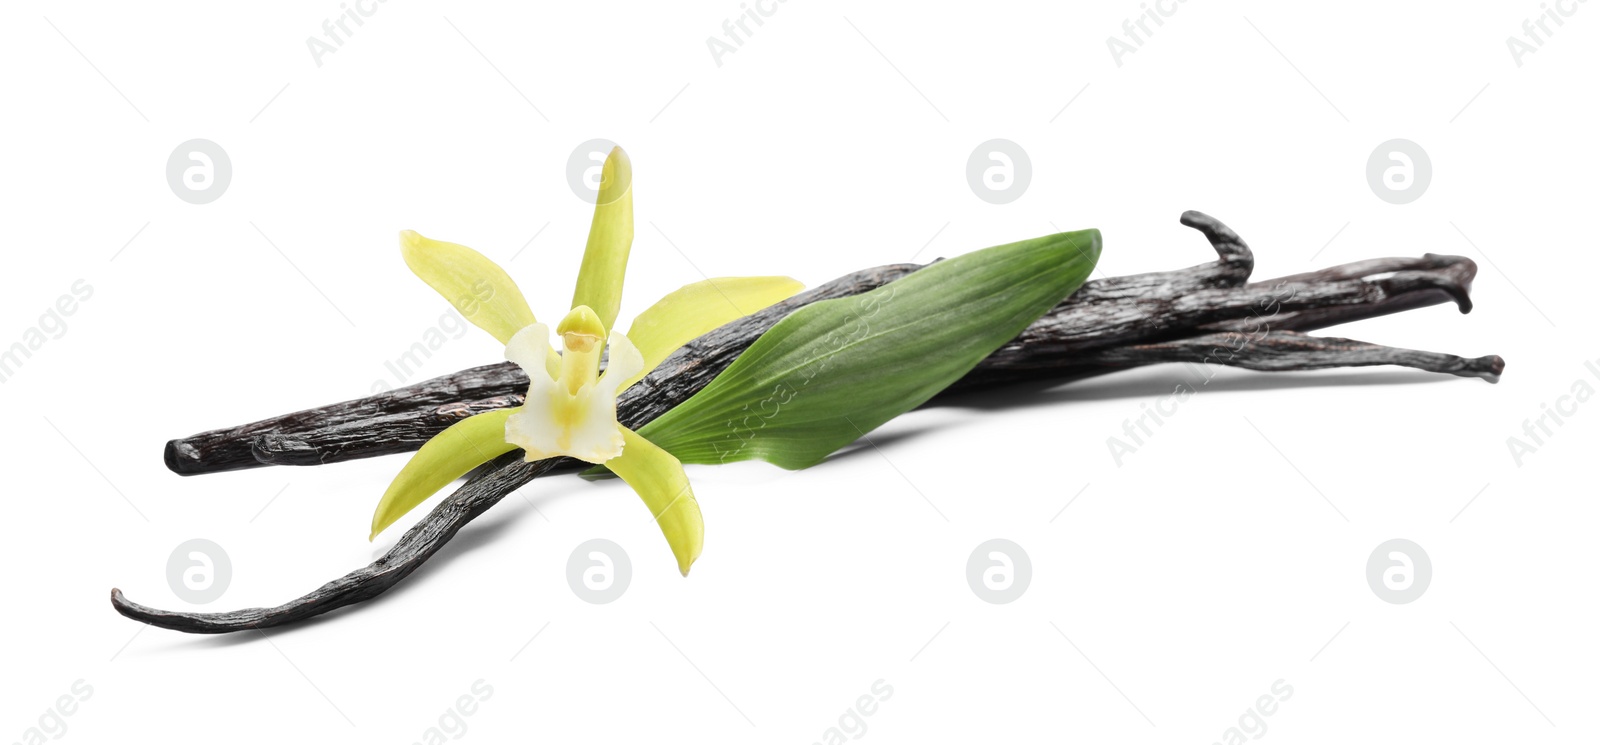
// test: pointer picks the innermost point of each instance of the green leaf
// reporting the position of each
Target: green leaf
(446, 457)
(605, 257)
(693, 309)
(835, 370)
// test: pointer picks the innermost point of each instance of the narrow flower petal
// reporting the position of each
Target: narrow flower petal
(476, 286)
(693, 309)
(448, 456)
(605, 258)
(660, 481)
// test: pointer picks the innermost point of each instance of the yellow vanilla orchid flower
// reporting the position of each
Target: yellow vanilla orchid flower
(571, 406)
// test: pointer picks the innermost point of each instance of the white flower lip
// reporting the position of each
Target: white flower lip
(574, 418)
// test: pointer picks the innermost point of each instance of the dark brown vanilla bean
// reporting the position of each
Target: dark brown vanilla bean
(1077, 330)
(1119, 310)
(1270, 351)
(1206, 314)
(383, 425)
(1282, 351)
(508, 474)
(230, 448)
(1448, 279)
(1275, 351)
(1030, 360)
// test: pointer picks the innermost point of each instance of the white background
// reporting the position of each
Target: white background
(1168, 593)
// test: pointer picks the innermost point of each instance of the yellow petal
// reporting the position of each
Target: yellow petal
(661, 483)
(694, 309)
(605, 258)
(462, 447)
(476, 286)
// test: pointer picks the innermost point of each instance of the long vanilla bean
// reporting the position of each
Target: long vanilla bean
(1280, 351)
(1072, 335)
(1201, 311)
(228, 449)
(1430, 280)
(1126, 310)
(419, 544)
(300, 442)
(1072, 352)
